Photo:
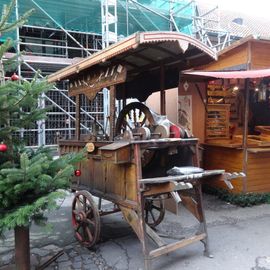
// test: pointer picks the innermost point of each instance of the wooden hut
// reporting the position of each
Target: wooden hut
(234, 115)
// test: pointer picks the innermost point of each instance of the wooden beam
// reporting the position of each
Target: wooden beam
(78, 118)
(176, 58)
(154, 236)
(173, 246)
(148, 59)
(162, 50)
(162, 91)
(245, 135)
(132, 219)
(112, 112)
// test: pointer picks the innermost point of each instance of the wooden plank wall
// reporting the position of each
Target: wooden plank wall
(115, 181)
(260, 57)
(235, 57)
(121, 181)
(229, 159)
(258, 172)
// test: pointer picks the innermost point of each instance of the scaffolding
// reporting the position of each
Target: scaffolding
(60, 33)
(207, 27)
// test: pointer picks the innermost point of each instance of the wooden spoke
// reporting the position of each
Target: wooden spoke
(156, 207)
(125, 123)
(89, 212)
(152, 215)
(89, 221)
(89, 234)
(84, 204)
(79, 202)
(133, 111)
(85, 219)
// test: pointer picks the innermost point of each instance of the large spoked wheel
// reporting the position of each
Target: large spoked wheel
(154, 210)
(85, 219)
(134, 116)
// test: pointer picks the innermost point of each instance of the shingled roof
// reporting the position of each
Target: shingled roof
(239, 24)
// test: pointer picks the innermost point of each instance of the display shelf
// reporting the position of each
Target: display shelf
(217, 121)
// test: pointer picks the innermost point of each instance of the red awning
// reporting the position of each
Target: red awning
(259, 73)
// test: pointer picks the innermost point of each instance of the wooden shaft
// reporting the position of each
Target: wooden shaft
(196, 157)
(162, 91)
(112, 112)
(141, 203)
(78, 118)
(22, 248)
(245, 135)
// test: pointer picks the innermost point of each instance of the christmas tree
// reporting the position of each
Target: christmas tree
(30, 180)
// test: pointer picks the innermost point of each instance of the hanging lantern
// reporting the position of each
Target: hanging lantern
(14, 77)
(3, 147)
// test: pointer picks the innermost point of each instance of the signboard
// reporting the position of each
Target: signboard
(185, 111)
(91, 83)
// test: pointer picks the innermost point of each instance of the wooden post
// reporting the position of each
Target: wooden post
(245, 134)
(203, 227)
(162, 91)
(78, 118)
(112, 112)
(141, 203)
(22, 248)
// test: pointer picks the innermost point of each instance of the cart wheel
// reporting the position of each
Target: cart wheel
(154, 210)
(85, 219)
(134, 115)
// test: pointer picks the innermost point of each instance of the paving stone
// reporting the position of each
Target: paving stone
(45, 259)
(86, 256)
(53, 248)
(64, 264)
(77, 264)
(63, 258)
(6, 259)
(65, 268)
(40, 252)
(77, 259)
(91, 266)
(68, 247)
(73, 254)
(86, 261)
(34, 260)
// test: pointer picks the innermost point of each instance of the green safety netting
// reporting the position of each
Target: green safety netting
(85, 15)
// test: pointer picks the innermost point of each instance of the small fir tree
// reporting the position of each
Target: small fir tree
(29, 180)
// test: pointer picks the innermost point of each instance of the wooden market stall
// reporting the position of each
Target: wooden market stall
(237, 125)
(129, 164)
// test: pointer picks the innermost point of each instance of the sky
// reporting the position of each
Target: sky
(259, 7)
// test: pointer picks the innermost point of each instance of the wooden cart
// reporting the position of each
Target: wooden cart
(129, 166)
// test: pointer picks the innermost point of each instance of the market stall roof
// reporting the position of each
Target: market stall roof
(143, 55)
(210, 75)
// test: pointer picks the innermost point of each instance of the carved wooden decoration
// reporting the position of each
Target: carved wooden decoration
(92, 82)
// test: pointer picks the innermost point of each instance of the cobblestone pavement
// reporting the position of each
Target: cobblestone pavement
(73, 257)
(239, 239)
